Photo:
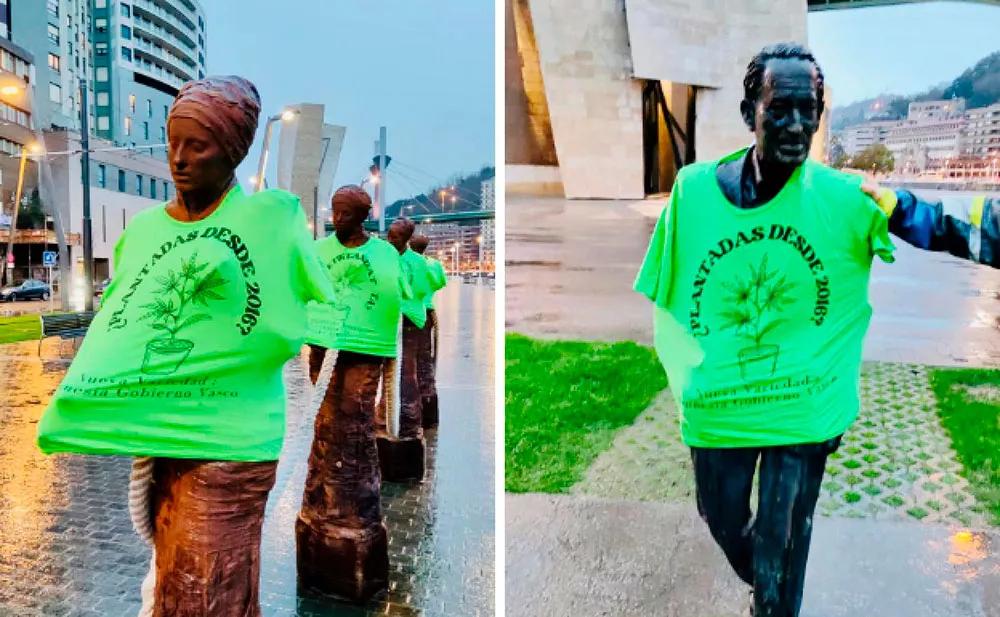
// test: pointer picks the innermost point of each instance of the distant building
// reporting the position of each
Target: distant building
(857, 138)
(487, 200)
(982, 133)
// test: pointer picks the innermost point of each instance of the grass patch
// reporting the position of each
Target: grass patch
(20, 328)
(565, 401)
(974, 426)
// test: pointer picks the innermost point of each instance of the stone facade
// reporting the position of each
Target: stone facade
(594, 105)
(594, 57)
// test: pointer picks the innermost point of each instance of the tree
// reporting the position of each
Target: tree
(875, 158)
(837, 156)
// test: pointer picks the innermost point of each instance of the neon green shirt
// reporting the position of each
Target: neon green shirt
(418, 277)
(369, 286)
(761, 313)
(438, 279)
(185, 357)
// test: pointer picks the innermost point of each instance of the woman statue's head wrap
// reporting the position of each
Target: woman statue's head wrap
(228, 106)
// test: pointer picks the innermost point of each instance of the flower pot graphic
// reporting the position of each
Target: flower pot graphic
(752, 308)
(758, 362)
(176, 307)
(165, 356)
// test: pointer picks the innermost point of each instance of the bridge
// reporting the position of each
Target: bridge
(829, 5)
(432, 217)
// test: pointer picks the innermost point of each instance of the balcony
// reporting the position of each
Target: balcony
(176, 11)
(157, 72)
(165, 38)
(163, 58)
(166, 19)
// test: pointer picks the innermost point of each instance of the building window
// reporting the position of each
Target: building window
(55, 93)
(138, 185)
(101, 25)
(163, 135)
(201, 41)
(126, 33)
(166, 194)
(100, 4)
(121, 184)
(149, 108)
(201, 23)
(54, 62)
(166, 111)
(127, 54)
(53, 7)
(152, 188)
(145, 131)
(102, 73)
(103, 99)
(101, 49)
(102, 176)
(126, 10)
(103, 122)
(131, 103)
(128, 125)
(53, 34)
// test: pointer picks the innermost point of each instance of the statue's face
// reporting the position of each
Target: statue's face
(398, 235)
(786, 115)
(197, 160)
(348, 218)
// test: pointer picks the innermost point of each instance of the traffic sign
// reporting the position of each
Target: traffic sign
(49, 258)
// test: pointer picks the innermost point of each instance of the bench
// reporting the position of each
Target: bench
(66, 326)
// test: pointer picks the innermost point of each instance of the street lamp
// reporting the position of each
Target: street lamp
(454, 250)
(479, 242)
(32, 148)
(286, 116)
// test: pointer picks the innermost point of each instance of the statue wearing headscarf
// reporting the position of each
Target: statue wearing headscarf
(182, 367)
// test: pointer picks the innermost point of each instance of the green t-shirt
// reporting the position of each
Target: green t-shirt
(185, 357)
(369, 286)
(438, 279)
(418, 277)
(761, 313)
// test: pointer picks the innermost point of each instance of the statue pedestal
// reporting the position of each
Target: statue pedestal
(430, 411)
(349, 564)
(401, 459)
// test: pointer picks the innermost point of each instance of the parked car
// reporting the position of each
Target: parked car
(28, 290)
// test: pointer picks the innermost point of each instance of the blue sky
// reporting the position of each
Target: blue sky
(900, 49)
(422, 68)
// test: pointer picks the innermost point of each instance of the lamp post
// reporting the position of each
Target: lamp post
(454, 251)
(9, 257)
(479, 243)
(286, 116)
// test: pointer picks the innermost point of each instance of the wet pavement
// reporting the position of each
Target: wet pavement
(570, 267)
(66, 542)
(585, 557)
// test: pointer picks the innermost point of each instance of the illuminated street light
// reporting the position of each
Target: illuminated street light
(287, 115)
(9, 90)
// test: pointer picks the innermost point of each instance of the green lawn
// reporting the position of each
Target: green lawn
(21, 328)
(974, 425)
(565, 401)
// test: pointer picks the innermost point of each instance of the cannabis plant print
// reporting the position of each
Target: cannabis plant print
(182, 300)
(754, 305)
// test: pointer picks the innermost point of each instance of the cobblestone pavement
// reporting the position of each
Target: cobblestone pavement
(895, 463)
(66, 543)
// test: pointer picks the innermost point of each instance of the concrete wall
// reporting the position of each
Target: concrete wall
(528, 134)
(710, 44)
(594, 105)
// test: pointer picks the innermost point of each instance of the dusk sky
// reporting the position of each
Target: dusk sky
(423, 69)
(901, 49)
